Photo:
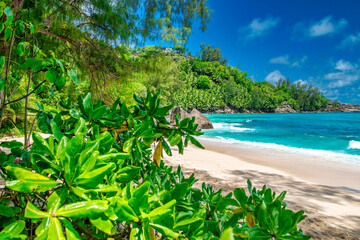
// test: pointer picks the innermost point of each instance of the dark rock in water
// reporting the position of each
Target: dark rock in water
(204, 122)
(285, 108)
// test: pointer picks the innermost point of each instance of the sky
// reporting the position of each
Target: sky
(312, 41)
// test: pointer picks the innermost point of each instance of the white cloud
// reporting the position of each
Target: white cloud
(301, 81)
(347, 74)
(259, 27)
(343, 65)
(281, 60)
(351, 40)
(326, 26)
(274, 76)
(323, 27)
(285, 59)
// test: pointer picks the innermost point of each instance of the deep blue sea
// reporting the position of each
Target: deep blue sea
(328, 135)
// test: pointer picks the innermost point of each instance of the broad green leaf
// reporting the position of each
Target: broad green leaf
(73, 76)
(9, 16)
(57, 200)
(2, 84)
(174, 139)
(15, 228)
(83, 209)
(128, 173)
(164, 231)
(94, 177)
(80, 126)
(55, 230)
(40, 158)
(196, 142)
(52, 75)
(89, 149)
(20, 28)
(56, 131)
(41, 144)
(124, 211)
(87, 103)
(31, 211)
(30, 185)
(104, 224)
(161, 212)
(114, 156)
(90, 163)
(71, 233)
(2, 62)
(7, 34)
(227, 235)
(6, 211)
(128, 145)
(41, 230)
(183, 225)
(21, 173)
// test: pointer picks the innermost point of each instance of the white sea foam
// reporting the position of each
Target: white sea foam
(248, 120)
(354, 144)
(347, 158)
(231, 127)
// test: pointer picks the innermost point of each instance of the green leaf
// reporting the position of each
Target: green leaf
(21, 173)
(196, 142)
(55, 130)
(41, 144)
(93, 178)
(128, 145)
(20, 28)
(2, 84)
(15, 228)
(124, 211)
(104, 224)
(174, 139)
(30, 186)
(164, 231)
(7, 34)
(40, 158)
(83, 209)
(1, 27)
(128, 173)
(227, 235)
(71, 233)
(161, 212)
(74, 113)
(87, 103)
(55, 230)
(31, 211)
(57, 200)
(2, 63)
(9, 16)
(6, 211)
(80, 126)
(51, 75)
(73, 76)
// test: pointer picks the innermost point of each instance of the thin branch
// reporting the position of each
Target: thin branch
(16, 100)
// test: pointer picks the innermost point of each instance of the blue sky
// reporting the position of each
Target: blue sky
(316, 42)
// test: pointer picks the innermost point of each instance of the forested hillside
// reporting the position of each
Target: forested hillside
(208, 83)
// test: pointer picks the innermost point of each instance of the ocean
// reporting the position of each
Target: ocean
(333, 136)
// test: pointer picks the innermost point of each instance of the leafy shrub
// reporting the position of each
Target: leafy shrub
(96, 176)
(203, 82)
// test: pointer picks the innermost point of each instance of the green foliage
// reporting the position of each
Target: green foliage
(203, 82)
(93, 177)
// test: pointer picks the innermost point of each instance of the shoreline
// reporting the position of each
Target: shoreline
(328, 193)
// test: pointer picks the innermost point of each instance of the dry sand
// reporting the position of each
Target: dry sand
(328, 191)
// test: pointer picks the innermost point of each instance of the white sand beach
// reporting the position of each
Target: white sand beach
(328, 191)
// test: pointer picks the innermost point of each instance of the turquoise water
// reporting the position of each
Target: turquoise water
(328, 135)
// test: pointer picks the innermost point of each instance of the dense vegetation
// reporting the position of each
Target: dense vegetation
(98, 173)
(207, 83)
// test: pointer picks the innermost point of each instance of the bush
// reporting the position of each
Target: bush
(203, 82)
(94, 177)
